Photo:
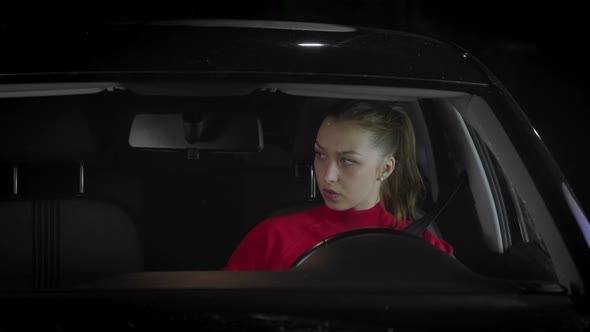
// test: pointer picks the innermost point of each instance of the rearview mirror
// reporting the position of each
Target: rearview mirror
(219, 132)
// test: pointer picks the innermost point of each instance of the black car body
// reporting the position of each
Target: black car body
(104, 229)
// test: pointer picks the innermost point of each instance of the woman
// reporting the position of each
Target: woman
(366, 169)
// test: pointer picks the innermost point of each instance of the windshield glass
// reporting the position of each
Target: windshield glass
(105, 183)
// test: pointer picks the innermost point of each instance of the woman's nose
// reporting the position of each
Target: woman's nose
(331, 172)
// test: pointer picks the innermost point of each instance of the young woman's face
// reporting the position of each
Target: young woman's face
(348, 168)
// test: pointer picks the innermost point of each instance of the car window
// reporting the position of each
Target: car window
(519, 236)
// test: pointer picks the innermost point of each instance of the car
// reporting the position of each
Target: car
(137, 156)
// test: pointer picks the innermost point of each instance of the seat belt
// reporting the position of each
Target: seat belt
(419, 226)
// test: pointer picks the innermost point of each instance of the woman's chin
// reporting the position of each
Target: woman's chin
(336, 205)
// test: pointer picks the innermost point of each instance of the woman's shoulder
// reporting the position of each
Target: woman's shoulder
(294, 215)
(284, 225)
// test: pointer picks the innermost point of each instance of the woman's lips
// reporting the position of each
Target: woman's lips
(330, 194)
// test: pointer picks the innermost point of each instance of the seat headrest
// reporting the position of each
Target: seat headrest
(30, 132)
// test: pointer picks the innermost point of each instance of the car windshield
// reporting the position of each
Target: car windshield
(105, 180)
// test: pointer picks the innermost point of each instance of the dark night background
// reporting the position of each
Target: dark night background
(536, 49)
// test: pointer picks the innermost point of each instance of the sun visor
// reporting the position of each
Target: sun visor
(215, 132)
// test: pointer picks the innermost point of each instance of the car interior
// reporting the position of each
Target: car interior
(102, 179)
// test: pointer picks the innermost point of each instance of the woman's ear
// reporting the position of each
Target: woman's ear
(388, 167)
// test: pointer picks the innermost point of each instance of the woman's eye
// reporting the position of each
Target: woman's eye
(320, 155)
(347, 162)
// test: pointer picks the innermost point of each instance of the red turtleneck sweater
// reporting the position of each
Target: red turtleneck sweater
(277, 242)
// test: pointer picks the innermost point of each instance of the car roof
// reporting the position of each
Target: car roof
(234, 46)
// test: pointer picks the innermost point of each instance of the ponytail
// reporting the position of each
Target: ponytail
(400, 190)
(393, 133)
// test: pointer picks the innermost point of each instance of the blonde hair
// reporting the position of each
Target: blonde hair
(392, 133)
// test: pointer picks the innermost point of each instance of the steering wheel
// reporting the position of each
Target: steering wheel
(380, 250)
